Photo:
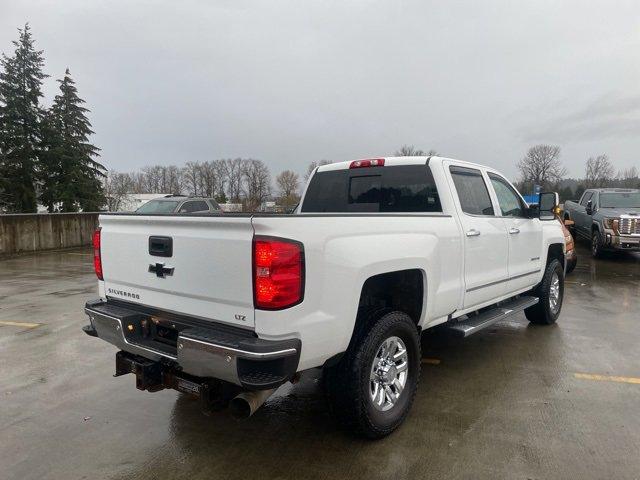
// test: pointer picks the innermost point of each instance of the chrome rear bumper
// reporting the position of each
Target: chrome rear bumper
(208, 352)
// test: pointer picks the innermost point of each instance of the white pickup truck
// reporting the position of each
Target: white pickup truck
(228, 307)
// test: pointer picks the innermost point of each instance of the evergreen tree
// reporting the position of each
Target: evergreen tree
(73, 175)
(20, 123)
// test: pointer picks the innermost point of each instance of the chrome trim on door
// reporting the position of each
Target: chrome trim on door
(502, 281)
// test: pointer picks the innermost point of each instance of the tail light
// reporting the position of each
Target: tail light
(97, 257)
(367, 162)
(278, 273)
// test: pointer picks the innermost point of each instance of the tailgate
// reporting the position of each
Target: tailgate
(210, 257)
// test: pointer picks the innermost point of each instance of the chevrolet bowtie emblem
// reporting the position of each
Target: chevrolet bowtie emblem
(160, 270)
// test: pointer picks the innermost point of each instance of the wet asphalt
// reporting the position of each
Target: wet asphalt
(515, 401)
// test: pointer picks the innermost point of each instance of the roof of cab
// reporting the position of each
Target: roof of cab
(179, 198)
(395, 161)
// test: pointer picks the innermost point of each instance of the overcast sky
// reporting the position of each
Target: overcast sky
(295, 81)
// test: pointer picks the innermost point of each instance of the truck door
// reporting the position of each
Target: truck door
(485, 238)
(582, 220)
(525, 235)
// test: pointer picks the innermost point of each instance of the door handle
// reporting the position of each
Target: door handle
(514, 230)
(473, 233)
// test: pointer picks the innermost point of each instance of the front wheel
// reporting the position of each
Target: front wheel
(550, 293)
(596, 246)
(372, 388)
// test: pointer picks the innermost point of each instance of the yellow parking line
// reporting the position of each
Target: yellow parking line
(607, 378)
(20, 324)
(431, 361)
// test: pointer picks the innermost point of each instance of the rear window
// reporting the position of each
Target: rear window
(406, 188)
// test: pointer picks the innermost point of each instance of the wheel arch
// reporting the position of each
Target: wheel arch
(402, 290)
(556, 251)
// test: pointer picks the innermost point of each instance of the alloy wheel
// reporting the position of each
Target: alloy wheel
(389, 373)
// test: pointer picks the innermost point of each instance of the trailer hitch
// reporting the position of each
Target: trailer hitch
(155, 376)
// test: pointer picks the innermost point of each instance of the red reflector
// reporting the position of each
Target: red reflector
(278, 273)
(367, 162)
(97, 257)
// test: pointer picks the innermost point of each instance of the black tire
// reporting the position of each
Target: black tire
(348, 383)
(596, 244)
(571, 265)
(542, 313)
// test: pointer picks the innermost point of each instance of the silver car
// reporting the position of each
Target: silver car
(180, 204)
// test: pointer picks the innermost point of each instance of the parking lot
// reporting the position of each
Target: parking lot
(514, 401)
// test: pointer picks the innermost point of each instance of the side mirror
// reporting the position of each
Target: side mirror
(589, 208)
(532, 211)
(549, 202)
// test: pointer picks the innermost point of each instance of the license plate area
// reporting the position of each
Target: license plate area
(151, 332)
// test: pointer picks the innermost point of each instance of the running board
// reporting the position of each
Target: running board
(475, 323)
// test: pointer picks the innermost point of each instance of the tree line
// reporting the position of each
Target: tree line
(45, 153)
(235, 180)
(542, 166)
(248, 181)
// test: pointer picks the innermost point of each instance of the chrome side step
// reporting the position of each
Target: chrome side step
(474, 323)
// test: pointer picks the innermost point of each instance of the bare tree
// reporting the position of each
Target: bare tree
(161, 179)
(411, 151)
(207, 179)
(542, 166)
(171, 180)
(117, 187)
(256, 183)
(288, 182)
(599, 172)
(150, 179)
(233, 174)
(629, 178)
(191, 175)
(219, 168)
(312, 166)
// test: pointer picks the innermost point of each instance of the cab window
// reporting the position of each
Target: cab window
(509, 201)
(585, 198)
(472, 191)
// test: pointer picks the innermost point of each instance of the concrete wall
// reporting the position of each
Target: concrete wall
(35, 232)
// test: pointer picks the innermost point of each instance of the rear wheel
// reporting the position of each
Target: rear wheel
(372, 388)
(550, 293)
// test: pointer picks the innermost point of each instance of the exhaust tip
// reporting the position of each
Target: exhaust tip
(240, 408)
(246, 404)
